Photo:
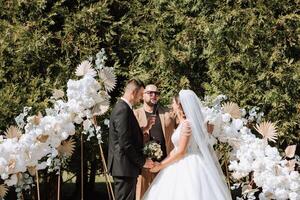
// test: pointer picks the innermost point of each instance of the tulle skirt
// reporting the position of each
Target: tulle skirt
(186, 179)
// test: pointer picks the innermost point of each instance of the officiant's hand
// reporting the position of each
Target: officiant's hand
(146, 129)
(150, 122)
(149, 164)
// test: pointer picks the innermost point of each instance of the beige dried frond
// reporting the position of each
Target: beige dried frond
(11, 165)
(57, 94)
(85, 68)
(290, 151)
(291, 165)
(13, 132)
(268, 130)
(276, 170)
(66, 148)
(3, 190)
(32, 170)
(100, 108)
(37, 119)
(233, 109)
(42, 138)
(108, 77)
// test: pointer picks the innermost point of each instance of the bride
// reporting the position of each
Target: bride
(191, 171)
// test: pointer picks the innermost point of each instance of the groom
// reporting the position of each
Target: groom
(125, 157)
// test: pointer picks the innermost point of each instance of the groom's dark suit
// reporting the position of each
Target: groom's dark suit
(125, 157)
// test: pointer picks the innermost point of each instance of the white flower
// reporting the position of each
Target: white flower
(293, 196)
(237, 124)
(87, 124)
(294, 175)
(106, 122)
(100, 59)
(13, 180)
(245, 130)
(272, 153)
(294, 186)
(281, 194)
(226, 117)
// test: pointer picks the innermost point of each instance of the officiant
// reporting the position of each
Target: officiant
(160, 132)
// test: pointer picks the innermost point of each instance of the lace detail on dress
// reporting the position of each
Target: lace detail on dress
(192, 146)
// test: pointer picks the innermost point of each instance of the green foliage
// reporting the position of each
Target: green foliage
(41, 44)
(253, 58)
(248, 50)
(167, 48)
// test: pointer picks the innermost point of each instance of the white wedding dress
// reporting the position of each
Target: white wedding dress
(189, 178)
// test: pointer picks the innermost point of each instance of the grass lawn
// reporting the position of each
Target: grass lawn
(68, 189)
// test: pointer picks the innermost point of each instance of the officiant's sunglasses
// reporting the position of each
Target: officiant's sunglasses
(153, 93)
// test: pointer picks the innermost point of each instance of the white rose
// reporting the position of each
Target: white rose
(226, 117)
(12, 181)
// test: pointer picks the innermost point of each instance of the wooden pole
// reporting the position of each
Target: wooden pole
(110, 189)
(227, 172)
(81, 138)
(106, 175)
(38, 184)
(58, 185)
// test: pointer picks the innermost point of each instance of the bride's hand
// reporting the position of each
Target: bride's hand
(156, 168)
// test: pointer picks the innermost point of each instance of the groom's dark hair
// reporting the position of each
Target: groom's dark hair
(134, 84)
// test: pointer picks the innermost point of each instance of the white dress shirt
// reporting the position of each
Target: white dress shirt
(129, 104)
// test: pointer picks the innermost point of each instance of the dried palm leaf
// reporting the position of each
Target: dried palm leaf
(13, 132)
(3, 190)
(42, 138)
(32, 170)
(101, 108)
(267, 130)
(57, 94)
(66, 148)
(233, 109)
(37, 119)
(247, 190)
(85, 68)
(108, 77)
(291, 165)
(11, 165)
(290, 151)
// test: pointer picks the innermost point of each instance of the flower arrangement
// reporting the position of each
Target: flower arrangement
(152, 150)
(39, 142)
(255, 166)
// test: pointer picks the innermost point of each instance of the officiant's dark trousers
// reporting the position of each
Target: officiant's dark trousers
(125, 188)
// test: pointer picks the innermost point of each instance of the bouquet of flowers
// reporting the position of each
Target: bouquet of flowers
(152, 150)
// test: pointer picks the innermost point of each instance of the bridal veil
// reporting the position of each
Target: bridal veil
(192, 108)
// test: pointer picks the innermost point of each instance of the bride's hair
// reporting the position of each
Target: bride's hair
(181, 112)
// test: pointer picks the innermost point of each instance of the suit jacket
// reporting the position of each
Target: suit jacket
(168, 123)
(125, 156)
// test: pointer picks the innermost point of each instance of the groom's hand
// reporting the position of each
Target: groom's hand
(156, 168)
(148, 164)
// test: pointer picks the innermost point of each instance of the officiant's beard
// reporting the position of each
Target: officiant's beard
(150, 103)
